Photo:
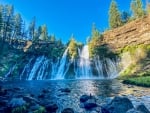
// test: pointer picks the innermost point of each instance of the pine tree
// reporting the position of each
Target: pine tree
(44, 33)
(114, 15)
(32, 28)
(95, 32)
(125, 16)
(9, 21)
(1, 17)
(137, 8)
(18, 25)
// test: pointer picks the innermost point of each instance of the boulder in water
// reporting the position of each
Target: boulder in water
(3, 91)
(52, 107)
(45, 90)
(16, 102)
(66, 90)
(133, 111)
(119, 105)
(84, 98)
(142, 108)
(90, 103)
(68, 110)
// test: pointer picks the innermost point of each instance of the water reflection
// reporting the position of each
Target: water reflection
(98, 88)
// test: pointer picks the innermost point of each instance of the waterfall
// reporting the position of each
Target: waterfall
(99, 67)
(84, 67)
(63, 66)
(54, 69)
(27, 69)
(36, 67)
(41, 68)
(10, 71)
(43, 71)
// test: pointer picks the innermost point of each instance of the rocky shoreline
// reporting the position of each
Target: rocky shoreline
(15, 100)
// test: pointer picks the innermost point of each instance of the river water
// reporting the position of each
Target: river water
(103, 90)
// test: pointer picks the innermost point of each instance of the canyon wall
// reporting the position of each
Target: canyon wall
(133, 33)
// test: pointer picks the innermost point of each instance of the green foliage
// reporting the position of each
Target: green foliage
(140, 81)
(137, 8)
(32, 28)
(96, 47)
(114, 15)
(40, 110)
(1, 18)
(18, 25)
(44, 33)
(125, 16)
(73, 48)
(137, 58)
(20, 109)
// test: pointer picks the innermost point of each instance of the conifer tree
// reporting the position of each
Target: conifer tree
(137, 8)
(114, 15)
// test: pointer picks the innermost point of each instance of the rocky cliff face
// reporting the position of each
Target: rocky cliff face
(133, 33)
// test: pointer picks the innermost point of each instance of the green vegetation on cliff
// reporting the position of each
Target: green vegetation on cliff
(140, 81)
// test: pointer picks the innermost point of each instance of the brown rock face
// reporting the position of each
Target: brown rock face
(133, 33)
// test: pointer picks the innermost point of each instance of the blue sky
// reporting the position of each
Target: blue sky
(67, 17)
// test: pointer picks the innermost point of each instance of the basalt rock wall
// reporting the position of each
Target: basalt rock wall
(133, 33)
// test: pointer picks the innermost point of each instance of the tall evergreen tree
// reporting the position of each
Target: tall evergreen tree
(18, 22)
(44, 33)
(125, 16)
(114, 15)
(95, 32)
(32, 26)
(9, 21)
(1, 17)
(137, 8)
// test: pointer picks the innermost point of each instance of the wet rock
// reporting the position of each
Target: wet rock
(3, 102)
(66, 90)
(34, 107)
(119, 105)
(52, 107)
(104, 110)
(133, 111)
(89, 104)
(142, 108)
(41, 96)
(18, 88)
(68, 110)
(3, 92)
(46, 91)
(16, 102)
(84, 98)
(29, 99)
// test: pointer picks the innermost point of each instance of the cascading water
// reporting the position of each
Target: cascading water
(63, 67)
(43, 68)
(36, 68)
(84, 67)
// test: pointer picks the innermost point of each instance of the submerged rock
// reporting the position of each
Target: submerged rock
(119, 105)
(46, 91)
(16, 102)
(3, 91)
(89, 104)
(66, 90)
(52, 107)
(84, 98)
(133, 111)
(41, 96)
(68, 110)
(142, 108)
